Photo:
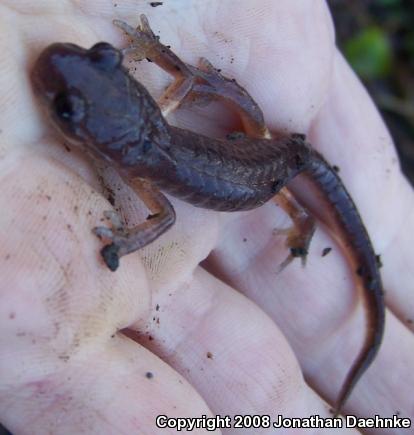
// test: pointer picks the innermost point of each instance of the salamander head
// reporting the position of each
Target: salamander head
(93, 101)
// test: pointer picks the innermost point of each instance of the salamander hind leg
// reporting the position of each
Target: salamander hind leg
(299, 236)
(126, 240)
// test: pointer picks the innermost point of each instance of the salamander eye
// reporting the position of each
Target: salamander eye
(105, 56)
(69, 107)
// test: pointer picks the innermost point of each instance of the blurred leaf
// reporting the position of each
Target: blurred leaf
(409, 45)
(388, 2)
(370, 53)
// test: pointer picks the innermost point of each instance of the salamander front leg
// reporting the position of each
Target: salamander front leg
(146, 45)
(212, 85)
(126, 240)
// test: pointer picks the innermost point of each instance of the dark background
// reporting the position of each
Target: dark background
(377, 38)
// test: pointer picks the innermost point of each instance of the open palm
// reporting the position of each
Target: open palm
(85, 349)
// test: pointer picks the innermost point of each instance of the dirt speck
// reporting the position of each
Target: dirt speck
(326, 251)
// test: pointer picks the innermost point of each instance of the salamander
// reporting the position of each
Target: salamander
(95, 103)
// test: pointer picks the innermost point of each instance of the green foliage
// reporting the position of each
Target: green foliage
(370, 53)
(388, 2)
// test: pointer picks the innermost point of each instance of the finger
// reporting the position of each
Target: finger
(119, 387)
(239, 367)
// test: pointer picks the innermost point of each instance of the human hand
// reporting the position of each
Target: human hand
(65, 365)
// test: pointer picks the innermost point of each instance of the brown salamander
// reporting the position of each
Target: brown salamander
(94, 102)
